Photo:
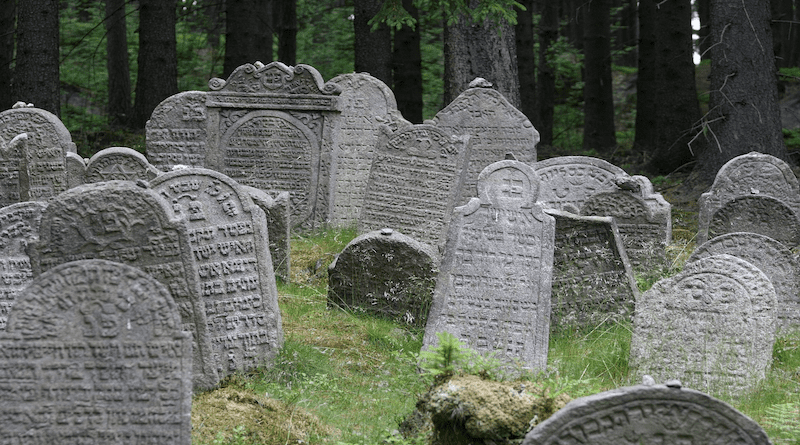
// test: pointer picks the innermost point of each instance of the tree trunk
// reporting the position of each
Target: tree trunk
(373, 49)
(119, 81)
(526, 61)
(646, 136)
(572, 14)
(744, 114)
(782, 12)
(625, 33)
(598, 116)
(248, 34)
(36, 76)
(287, 32)
(407, 68)
(7, 16)
(548, 33)
(157, 76)
(703, 35)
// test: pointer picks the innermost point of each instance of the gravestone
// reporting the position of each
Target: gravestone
(592, 277)
(752, 174)
(495, 128)
(127, 223)
(119, 164)
(567, 181)
(366, 104)
(712, 326)
(654, 414)
(493, 289)
(177, 132)
(76, 169)
(228, 237)
(416, 177)
(279, 227)
(758, 214)
(19, 226)
(93, 353)
(771, 257)
(384, 273)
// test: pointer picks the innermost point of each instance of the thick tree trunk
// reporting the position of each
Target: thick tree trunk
(703, 35)
(373, 49)
(572, 14)
(248, 34)
(598, 111)
(526, 61)
(625, 34)
(546, 86)
(287, 32)
(36, 76)
(782, 26)
(407, 68)
(119, 81)
(646, 94)
(7, 16)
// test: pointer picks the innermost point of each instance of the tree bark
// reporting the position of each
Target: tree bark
(248, 34)
(287, 32)
(526, 61)
(546, 86)
(703, 35)
(407, 68)
(119, 81)
(782, 12)
(598, 113)
(36, 76)
(7, 16)
(373, 49)
(646, 97)
(625, 33)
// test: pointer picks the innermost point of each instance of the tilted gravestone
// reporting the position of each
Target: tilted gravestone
(493, 289)
(19, 226)
(94, 353)
(279, 227)
(366, 104)
(712, 326)
(177, 132)
(416, 177)
(126, 222)
(592, 277)
(384, 273)
(658, 414)
(119, 164)
(758, 214)
(229, 240)
(495, 128)
(567, 181)
(771, 257)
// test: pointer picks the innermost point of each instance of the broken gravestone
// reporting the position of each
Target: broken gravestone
(94, 353)
(384, 273)
(229, 241)
(493, 289)
(279, 226)
(712, 326)
(119, 164)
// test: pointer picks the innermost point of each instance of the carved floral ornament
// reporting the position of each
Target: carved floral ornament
(275, 77)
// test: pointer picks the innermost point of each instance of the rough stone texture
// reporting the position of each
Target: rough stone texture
(712, 326)
(752, 174)
(495, 127)
(94, 353)
(177, 132)
(648, 414)
(416, 176)
(76, 169)
(229, 240)
(493, 290)
(119, 164)
(277, 211)
(592, 277)
(366, 104)
(127, 223)
(385, 273)
(771, 257)
(758, 214)
(568, 180)
(19, 226)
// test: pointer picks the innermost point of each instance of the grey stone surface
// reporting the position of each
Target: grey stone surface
(119, 164)
(712, 326)
(19, 226)
(648, 414)
(366, 104)
(384, 273)
(568, 180)
(126, 222)
(177, 132)
(416, 177)
(278, 211)
(758, 214)
(771, 257)
(76, 169)
(493, 290)
(229, 240)
(592, 277)
(94, 353)
(495, 127)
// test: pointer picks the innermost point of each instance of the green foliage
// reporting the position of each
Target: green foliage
(784, 420)
(450, 356)
(394, 15)
(325, 36)
(789, 73)
(791, 137)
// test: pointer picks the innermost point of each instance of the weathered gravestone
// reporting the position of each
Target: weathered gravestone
(416, 177)
(567, 181)
(76, 169)
(592, 277)
(712, 326)
(367, 104)
(758, 214)
(94, 353)
(771, 257)
(495, 128)
(19, 226)
(493, 289)
(655, 414)
(385, 273)
(119, 164)
(228, 236)
(126, 222)
(177, 132)
(279, 227)
(749, 175)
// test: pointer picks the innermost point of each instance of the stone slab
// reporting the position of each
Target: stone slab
(119, 164)
(278, 212)
(757, 214)
(177, 131)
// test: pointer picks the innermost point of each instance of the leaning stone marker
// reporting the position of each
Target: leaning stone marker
(94, 353)
(384, 273)
(758, 214)
(229, 240)
(712, 326)
(279, 227)
(493, 290)
(119, 164)
(656, 414)
(177, 131)
(568, 180)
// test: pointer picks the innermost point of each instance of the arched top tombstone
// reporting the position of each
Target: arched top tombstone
(274, 78)
(754, 213)
(509, 184)
(45, 129)
(568, 180)
(120, 164)
(754, 174)
(177, 132)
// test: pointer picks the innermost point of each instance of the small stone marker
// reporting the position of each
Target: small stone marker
(19, 226)
(592, 277)
(177, 132)
(493, 290)
(771, 257)
(279, 227)
(758, 214)
(119, 164)
(657, 414)
(229, 240)
(416, 177)
(127, 223)
(385, 273)
(712, 326)
(94, 353)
